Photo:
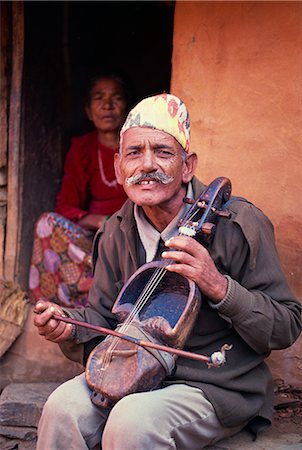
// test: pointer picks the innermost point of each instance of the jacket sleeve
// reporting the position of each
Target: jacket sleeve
(72, 198)
(259, 303)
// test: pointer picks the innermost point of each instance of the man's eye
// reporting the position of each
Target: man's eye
(134, 152)
(164, 153)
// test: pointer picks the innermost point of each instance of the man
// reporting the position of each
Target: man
(246, 302)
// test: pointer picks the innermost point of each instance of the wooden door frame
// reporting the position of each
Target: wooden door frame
(14, 141)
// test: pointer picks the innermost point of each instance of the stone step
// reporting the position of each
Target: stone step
(270, 439)
(21, 404)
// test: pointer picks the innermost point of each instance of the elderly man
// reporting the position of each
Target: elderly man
(246, 302)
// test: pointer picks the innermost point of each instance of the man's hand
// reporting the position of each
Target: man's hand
(195, 263)
(52, 329)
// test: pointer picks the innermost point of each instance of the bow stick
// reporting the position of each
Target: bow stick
(216, 359)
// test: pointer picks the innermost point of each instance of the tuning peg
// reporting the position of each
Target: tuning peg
(224, 214)
(188, 200)
(191, 201)
(208, 228)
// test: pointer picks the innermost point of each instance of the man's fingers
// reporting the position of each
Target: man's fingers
(41, 306)
(186, 244)
(60, 332)
(45, 311)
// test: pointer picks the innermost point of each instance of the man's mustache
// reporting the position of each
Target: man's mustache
(156, 176)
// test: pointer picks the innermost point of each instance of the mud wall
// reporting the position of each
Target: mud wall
(237, 65)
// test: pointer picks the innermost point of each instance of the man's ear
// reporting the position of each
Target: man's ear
(189, 167)
(117, 168)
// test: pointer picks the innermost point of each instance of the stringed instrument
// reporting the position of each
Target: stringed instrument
(155, 306)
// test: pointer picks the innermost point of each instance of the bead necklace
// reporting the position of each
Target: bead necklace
(108, 183)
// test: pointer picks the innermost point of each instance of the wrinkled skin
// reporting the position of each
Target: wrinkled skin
(53, 330)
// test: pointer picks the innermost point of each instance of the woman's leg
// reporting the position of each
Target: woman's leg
(69, 419)
(61, 268)
(175, 417)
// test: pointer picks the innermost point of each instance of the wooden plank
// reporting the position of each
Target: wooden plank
(13, 197)
(5, 9)
(4, 44)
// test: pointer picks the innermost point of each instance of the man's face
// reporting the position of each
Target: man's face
(151, 167)
(107, 107)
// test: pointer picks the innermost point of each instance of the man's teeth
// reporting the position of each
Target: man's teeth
(147, 182)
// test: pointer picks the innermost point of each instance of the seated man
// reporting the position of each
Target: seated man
(246, 302)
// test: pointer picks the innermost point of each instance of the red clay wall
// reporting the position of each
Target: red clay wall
(238, 67)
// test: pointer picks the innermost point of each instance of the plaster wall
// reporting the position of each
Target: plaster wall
(238, 67)
(32, 359)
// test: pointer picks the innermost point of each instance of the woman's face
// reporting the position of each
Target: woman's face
(107, 107)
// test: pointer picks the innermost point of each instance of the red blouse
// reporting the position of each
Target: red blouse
(88, 185)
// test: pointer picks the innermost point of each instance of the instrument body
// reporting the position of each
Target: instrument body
(178, 294)
(157, 306)
(115, 369)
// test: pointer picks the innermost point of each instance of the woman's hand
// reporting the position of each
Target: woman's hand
(92, 221)
(194, 262)
(52, 329)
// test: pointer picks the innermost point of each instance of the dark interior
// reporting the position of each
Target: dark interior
(64, 43)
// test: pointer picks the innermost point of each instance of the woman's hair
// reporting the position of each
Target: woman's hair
(122, 79)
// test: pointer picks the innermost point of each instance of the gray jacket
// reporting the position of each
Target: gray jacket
(259, 313)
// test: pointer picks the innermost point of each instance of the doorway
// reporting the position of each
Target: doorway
(63, 43)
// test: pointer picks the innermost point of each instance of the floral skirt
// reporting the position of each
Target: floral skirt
(61, 265)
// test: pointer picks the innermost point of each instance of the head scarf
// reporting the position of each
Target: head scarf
(164, 112)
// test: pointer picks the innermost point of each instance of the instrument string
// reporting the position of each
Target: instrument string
(142, 300)
(150, 287)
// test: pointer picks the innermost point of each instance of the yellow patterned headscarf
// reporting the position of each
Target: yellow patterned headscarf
(164, 112)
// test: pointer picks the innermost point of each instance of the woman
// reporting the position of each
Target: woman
(61, 259)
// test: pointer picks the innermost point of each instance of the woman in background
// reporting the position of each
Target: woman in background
(61, 259)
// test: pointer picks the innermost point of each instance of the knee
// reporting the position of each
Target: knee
(127, 418)
(54, 407)
(45, 216)
(129, 409)
(67, 402)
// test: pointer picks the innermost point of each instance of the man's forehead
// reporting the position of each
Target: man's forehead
(142, 134)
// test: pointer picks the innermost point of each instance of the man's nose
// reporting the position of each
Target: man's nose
(148, 162)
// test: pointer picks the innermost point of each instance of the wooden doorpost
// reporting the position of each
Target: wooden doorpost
(14, 182)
